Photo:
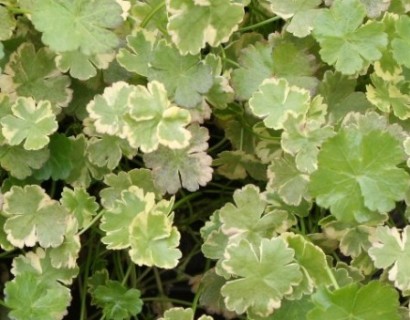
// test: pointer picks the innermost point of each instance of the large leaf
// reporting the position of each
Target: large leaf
(78, 24)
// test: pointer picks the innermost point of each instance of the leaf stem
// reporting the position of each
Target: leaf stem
(332, 277)
(166, 299)
(96, 218)
(151, 14)
(259, 24)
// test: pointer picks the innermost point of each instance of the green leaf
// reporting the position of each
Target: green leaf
(374, 8)
(401, 44)
(110, 109)
(59, 165)
(391, 249)
(153, 120)
(21, 162)
(182, 314)
(302, 138)
(116, 301)
(374, 301)
(389, 96)
(79, 24)
(238, 165)
(345, 42)
(33, 217)
(265, 274)
(186, 78)
(30, 122)
(81, 66)
(275, 100)
(279, 58)
(302, 12)
(116, 222)
(189, 167)
(141, 178)
(7, 23)
(154, 239)
(287, 181)
(246, 219)
(211, 21)
(108, 151)
(41, 301)
(33, 74)
(356, 240)
(79, 203)
(358, 175)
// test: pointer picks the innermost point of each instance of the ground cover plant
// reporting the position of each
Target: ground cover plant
(205, 159)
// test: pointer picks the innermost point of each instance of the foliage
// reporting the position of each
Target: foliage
(205, 159)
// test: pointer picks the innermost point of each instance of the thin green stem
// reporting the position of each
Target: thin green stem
(259, 24)
(159, 283)
(332, 277)
(234, 63)
(96, 218)
(151, 14)
(127, 274)
(185, 199)
(83, 312)
(166, 299)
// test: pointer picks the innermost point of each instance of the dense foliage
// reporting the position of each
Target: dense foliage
(205, 159)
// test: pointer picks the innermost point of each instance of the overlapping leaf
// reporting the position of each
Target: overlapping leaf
(211, 21)
(345, 42)
(357, 176)
(32, 217)
(189, 167)
(182, 314)
(79, 24)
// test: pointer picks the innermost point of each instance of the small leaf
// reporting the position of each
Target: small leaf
(275, 100)
(30, 122)
(211, 21)
(117, 302)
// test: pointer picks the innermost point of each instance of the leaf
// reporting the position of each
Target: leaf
(153, 120)
(357, 176)
(82, 66)
(79, 24)
(117, 220)
(33, 74)
(21, 162)
(186, 78)
(374, 301)
(265, 274)
(59, 165)
(107, 151)
(182, 314)
(116, 301)
(389, 96)
(211, 21)
(79, 203)
(66, 254)
(247, 219)
(275, 100)
(41, 301)
(141, 178)
(154, 239)
(39, 263)
(238, 165)
(30, 122)
(302, 13)
(287, 181)
(280, 58)
(110, 109)
(374, 8)
(7, 24)
(356, 240)
(401, 44)
(189, 167)
(390, 249)
(33, 217)
(302, 138)
(345, 42)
